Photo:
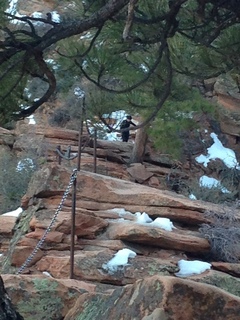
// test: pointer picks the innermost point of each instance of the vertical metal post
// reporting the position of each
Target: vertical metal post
(73, 229)
(80, 144)
(59, 158)
(74, 196)
(95, 151)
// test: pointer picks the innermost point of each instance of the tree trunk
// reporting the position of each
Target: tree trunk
(139, 146)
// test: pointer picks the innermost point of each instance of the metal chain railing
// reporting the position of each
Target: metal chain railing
(41, 241)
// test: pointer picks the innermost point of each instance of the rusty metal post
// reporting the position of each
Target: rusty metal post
(80, 144)
(95, 151)
(74, 194)
(73, 229)
(59, 158)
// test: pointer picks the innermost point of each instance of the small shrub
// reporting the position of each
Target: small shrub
(60, 117)
(214, 194)
(223, 233)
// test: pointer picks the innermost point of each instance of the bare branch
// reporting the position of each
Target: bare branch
(129, 20)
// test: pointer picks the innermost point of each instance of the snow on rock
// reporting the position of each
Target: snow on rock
(163, 223)
(120, 259)
(218, 151)
(31, 119)
(47, 274)
(121, 211)
(142, 217)
(209, 182)
(14, 213)
(192, 197)
(189, 268)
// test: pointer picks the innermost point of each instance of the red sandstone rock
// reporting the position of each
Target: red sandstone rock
(6, 225)
(230, 268)
(160, 298)
(52, 236)
(21, 253)
(88, 266)
(178, 240)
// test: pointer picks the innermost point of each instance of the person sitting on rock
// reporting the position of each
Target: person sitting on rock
(126, 124)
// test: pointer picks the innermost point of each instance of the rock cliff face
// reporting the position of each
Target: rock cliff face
(106, 222)
(102, 230)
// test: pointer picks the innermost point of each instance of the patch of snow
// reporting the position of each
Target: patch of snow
(120, 211)
(189, 268)
(163, 223)
(192, 197)
(12, 9)
(14, 213)
(37, 14)
(120, 259)
(47, 274)
(209, 182)
(218, 151)
(55, 16)
(25, 164)
(31, 119)
(142, 217)
(53, 64)
(79, 92)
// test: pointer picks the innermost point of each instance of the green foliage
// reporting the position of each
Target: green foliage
(197, 60)
(60, 117)
(13, 82)
(116, 63)
(177, 117)
(213, 194)
(14, 178)
(97, 306)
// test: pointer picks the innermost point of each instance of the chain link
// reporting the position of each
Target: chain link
(59, 208)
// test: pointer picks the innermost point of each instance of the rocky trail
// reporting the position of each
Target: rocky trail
(108, 205)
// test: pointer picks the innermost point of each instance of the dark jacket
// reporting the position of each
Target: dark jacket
(126, 124)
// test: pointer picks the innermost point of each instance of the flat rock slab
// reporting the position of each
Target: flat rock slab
(176, 240)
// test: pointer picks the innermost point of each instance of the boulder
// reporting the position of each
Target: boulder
(7, 137)
(98, 192)
(139, 173)
(42, 297)
(7, 309)
(147, 235)
(159, 297)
